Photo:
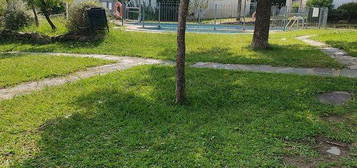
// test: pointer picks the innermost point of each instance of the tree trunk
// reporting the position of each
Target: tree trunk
(47, 16)
(262, 24)
(239, 10)
(35, 15)
(181, 50)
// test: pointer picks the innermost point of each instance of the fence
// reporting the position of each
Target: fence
(222, 15)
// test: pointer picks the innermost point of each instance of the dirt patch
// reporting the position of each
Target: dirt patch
(327, 147)
(329, 152)
(335, 118)
(299, 161)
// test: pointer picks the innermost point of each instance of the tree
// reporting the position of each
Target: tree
(320, 3)
(181, 51)
(262, 25)
(350, 9)
(46, 7)
(31, 4)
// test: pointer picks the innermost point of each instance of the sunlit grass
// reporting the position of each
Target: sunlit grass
(45, 28)
(224, 48)
(128, 119)
(343, 40)
(15, 69)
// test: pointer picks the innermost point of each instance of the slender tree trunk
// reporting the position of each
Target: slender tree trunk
(47, 16)
(35, 14)
(262, 24)
(239, 10)
(67, 10)
(181, 50)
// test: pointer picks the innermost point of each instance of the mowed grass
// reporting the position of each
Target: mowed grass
(128, 119)
(223, 48)
(18, 68)
(45, 28)
(346, 41)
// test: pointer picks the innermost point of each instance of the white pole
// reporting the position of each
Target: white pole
(67, 12)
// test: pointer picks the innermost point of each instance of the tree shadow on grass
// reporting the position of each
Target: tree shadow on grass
(131, 121)
(4, 56)
(31, 46)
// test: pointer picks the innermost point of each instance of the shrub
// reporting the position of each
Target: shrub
(15, 19)
(349, 9)
(78, 21)
(320, 3)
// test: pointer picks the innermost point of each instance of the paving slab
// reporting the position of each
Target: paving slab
(339, 55)
(122, 63)
(335, 98)
(350, 73)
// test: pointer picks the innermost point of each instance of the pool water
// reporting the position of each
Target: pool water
(200, 28)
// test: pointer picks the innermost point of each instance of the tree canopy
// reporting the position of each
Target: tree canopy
(320, 3)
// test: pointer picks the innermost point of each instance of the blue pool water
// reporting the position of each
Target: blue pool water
(201, 28)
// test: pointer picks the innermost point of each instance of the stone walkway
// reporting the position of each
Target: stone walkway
(351, 73)
(335, 53)
(122, 63)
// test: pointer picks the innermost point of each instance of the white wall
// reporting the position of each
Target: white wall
(338, 3)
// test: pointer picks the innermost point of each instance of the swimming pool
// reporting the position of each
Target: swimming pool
(198, 28)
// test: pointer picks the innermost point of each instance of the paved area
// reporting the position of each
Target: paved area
(122, 63)
(335, 53)
(335, 98)
(351, 73)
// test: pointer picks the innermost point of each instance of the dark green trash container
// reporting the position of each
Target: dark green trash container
(97, 19)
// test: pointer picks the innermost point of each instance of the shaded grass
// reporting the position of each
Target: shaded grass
(233, 48)
(15, 69)
(127, 119)
(346, 41)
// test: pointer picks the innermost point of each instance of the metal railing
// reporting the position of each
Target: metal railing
(222, 16)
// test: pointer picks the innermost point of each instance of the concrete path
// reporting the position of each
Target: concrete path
(335, 53)
(122, 63)
(351, 73)
(128, 62)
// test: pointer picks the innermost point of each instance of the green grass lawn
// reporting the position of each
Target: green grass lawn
(45, 28)
(15, 69)
(346, 41)
(127, 119)
(224, 48)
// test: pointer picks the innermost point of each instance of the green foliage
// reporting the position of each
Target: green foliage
(78, 21)
(48, 6)
(320, 3)
(15, 19)
(350, 10)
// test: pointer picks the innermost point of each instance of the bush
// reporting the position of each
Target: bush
(349, 10)
(15, 19)
(336, 15)
(320, 3)
(78, 21)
